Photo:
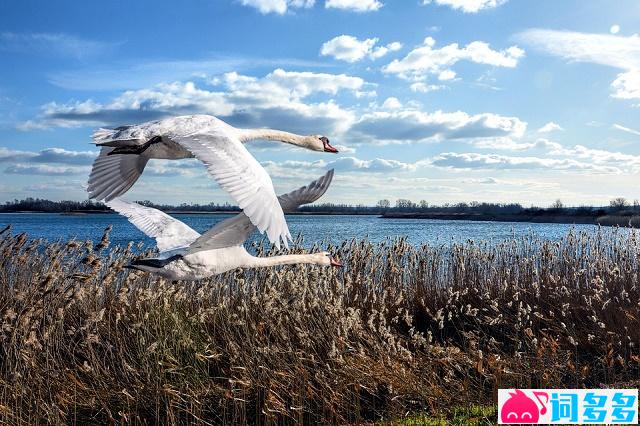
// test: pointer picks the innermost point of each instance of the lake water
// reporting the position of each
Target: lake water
(314, 228)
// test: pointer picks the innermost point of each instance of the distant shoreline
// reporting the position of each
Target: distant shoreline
(604, 220)
(84, 212)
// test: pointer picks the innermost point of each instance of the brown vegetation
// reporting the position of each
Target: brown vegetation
(401, 329)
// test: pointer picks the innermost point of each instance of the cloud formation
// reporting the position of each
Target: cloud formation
(48, 155)
(47, 162)
(627, 85)
(467, 161)
(467, 6)
(604, 49)
(626, 129)
(347, 164)
(354, 5)
(414, 125)
(350, 49)
(378, 165)
(279, 7)
(550, 127)
(45, 170)
(275, 100)
(426, 60)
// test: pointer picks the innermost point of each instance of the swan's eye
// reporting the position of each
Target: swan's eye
(526, 413)
(514, 414)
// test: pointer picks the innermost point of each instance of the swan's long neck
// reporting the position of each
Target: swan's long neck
(289, 259)
(271, 135)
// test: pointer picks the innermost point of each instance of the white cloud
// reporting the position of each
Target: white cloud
(605, 49)
(275, 100)
(626, 129)
(414, 125)
(58, 44)
(465, 161)
(425, 88)
(504, 143)
(277, 6)
(45, 170)
(627, 85)
(47, 162)
(348, 164)
(186, 168)
(48, 155)
(350, 49)
(380, 51)
(584, 158)
(550, 127)
(424, 60)
(378, 165)
(10, 155)
(468, 6)
(354, 5)
(344, 149)
(446, 75)
(391, 103)
(615, 29)
(296, 85)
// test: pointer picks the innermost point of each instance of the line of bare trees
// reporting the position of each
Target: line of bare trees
(617, 205)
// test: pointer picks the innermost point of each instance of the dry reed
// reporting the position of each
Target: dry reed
(400, 329)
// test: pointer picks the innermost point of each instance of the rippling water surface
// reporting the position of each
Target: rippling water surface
(314, 228)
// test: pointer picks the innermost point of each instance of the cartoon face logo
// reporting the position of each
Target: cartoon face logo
(519, 408)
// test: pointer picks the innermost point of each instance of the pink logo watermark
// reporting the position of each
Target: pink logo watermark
(568, 406)
(519, 408)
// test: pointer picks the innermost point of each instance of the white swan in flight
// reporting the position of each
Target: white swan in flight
(126, 150)
(187, 255)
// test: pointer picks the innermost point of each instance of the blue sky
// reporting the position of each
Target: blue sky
(441, 100)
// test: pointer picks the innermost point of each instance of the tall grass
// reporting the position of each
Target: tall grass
(400, 329)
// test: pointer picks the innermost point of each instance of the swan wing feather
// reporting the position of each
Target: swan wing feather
(235, 230)
(113, 175)
(169, 233)
(240, 174)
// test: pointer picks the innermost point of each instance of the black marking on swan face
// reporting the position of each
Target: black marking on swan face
(136, 149)
(153, 262)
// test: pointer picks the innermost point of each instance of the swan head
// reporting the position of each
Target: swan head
(326, 259)
(320, 143)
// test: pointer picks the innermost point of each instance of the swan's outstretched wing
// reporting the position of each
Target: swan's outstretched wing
(234, 231)
(238, 173)
(169, 233)
(307, 194)
(113, 175)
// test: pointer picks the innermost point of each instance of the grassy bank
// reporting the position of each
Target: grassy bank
(401, 331)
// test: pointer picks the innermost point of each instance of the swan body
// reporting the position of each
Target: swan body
(126, 151)
(187, 255)
(207, 263)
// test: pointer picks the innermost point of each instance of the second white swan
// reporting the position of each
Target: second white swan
(187, 255)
